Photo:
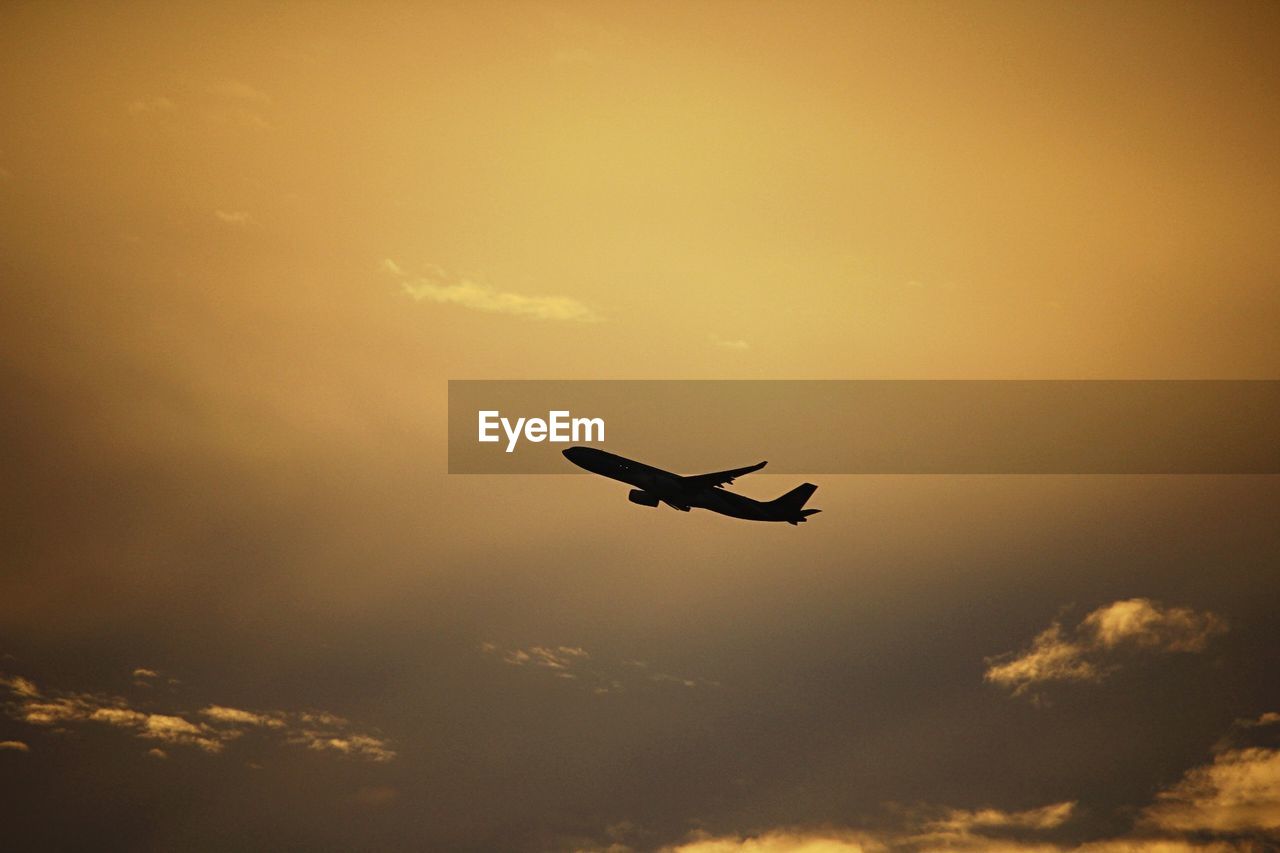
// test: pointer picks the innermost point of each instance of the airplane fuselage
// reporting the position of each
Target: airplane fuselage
(681, 493)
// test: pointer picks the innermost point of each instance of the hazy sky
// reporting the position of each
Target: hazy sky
(243, 247)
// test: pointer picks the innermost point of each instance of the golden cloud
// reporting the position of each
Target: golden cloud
(1236, 798)
(437, 287)
(574, 663)
(317, 730)
(783, 841)
(1089, 652)
(1239, 793)
(1145, 624)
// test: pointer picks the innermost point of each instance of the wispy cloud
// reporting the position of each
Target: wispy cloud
(1237, 794)
(238, 218)
(359, 746)
(208, 730)
(1144, 624)
(19, 686)
(144, 677)
(1092, 650)
(1230, 805)
(573, 663)
(561, 658)
(989, 830)
(834, 841)
(1270, 718)
(1052, 657)
(980, 831)
(143, 106)
(223, 102)
(960, 824)
(439, 287)
(783, 841)
(14, 746)
(62, 710)
(238, 90)
(736, 345)
(375, 795)
(236, 716)
(236, 103)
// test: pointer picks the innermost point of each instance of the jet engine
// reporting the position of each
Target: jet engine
(637, 496)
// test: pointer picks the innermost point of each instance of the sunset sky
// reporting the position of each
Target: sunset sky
(244, 247)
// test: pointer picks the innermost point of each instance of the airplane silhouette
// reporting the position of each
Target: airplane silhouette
(654, 486)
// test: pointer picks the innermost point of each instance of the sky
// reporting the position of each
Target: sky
(243, 248)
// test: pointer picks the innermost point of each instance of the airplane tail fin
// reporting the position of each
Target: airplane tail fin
(791, 505)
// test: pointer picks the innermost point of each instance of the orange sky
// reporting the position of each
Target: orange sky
(243, 247)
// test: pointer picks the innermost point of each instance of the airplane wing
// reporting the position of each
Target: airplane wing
(720, 478)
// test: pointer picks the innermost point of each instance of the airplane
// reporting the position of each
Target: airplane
(705, 491)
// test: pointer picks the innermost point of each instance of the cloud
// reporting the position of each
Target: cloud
(1231, 805)
(238, 90)
(573, 663)
(151, 105)
(1091, 651)
(238, 218)
(375, 795)
(13, 746)
(209, 731)
(143, 677)
(361, 746)
(19, 685)
(113, 712)
(1145, 624)
(1238, 793)
(479, 297)
(981, 829)
(1050, 658)
(157, 752)
(437, 286)
(783, 841)
(228, 102)
(1161, 845)
(53, 712)
(236, 116)
(59, 711)
(736, 345)
(182, 732)
(236, 716)
(563, 661)
(559, 658)
(959, 822)
(237, 103)
(854, 841)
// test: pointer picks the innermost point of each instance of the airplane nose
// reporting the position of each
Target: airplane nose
(580, 456)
